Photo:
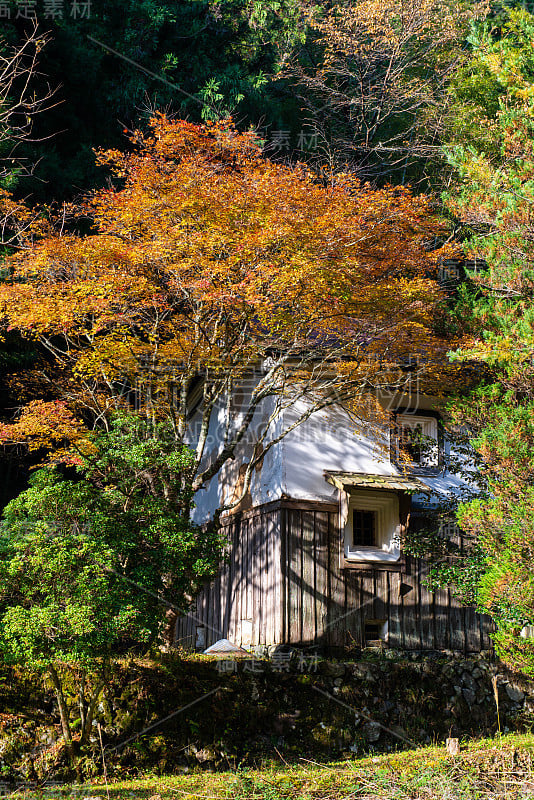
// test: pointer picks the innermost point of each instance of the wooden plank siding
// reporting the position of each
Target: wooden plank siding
(282, 583)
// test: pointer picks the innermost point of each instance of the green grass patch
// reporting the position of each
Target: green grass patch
(490, 768)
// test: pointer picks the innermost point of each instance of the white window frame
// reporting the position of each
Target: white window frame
(429, 429)
(386, 507)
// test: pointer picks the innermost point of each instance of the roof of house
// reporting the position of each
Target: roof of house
(364, 480)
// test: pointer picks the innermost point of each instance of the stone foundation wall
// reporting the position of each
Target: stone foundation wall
(203, 713)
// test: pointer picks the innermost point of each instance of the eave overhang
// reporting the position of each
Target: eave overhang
(345, 481)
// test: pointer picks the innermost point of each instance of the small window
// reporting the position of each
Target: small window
(411, 442)
(372, 526)
(415, 440)
(375, 632)
(364, 528)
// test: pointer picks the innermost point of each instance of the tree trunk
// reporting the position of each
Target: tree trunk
(63, 711)
(88, 722)
(81, 700)
(171, 615)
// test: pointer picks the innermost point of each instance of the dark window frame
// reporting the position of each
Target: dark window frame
(406, 411)
(366, 527)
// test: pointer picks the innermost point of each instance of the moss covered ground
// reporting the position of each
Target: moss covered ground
(495, 769)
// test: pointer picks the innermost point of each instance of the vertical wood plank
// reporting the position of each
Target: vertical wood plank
(246, 610)
(409, 592)
(351, 621)
(284, 569)
(256, 585)
(274, 558)
(473, 637)
(368, 598)
(200, 614)
(182, 634)
(210, 592)
(220, 600)
(251, 575)
(295, 576)
(381, 598)
(288, 576)
(220, 604)
(260, 604)
(264, 576)
(336, 584)
(239, 582)
(234, 611)
(308, 578)
(277, 536)
(456, 624)
(227, 583)
(426, 611)
(456, 612)
(233, 580)
(321, 575)
(266, 534)
(191, 630)
(224, 592)
(441, 619)
(394, 610)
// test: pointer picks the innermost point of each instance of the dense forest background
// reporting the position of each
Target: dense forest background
(333, 82)
(112, 64)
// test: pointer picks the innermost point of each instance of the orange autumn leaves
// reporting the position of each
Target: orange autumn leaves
(207, 257)
(47, 425)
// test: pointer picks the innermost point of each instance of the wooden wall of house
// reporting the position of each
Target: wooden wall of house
(282, 583)
(244, 602)
(330, 606)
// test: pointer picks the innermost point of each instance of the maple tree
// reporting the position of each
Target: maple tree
(208, 264)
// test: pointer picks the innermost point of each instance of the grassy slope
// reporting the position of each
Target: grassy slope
(491, 768)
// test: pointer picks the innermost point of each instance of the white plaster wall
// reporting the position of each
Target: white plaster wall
(334, 442)
(266, 481)
(329, 440)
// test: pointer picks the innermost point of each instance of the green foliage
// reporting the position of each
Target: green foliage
(138, 459)
(448, 562)
(90, 565)
(492, 151)
(212, 60)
